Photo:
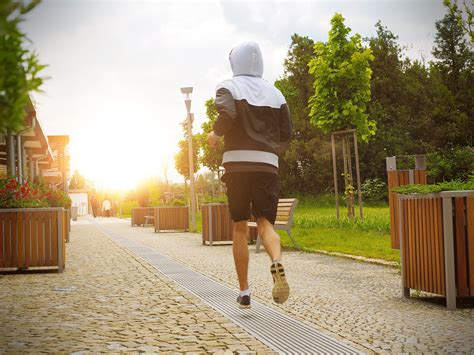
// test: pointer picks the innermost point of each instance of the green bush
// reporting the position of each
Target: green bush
(374, 191)
(451, 164)
(178, 202)
(454, 185)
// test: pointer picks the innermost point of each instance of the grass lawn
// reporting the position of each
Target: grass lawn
(317, 228)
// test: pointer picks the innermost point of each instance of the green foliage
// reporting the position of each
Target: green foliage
(342, 75)
(29, 195)
(305, 164)
(215, 199)
(19, 67)
(465, 21)
(77, 181)
(210, 157)
(178, 202)
(181, 158)
(127, 207)
(454, 185)
(374, 191)
(450, 164)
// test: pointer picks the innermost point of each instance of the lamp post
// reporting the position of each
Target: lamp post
(187, 91)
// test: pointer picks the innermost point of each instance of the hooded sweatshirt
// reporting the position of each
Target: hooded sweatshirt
(253, 115)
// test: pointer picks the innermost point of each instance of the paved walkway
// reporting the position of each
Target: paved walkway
(109, 300)
(346, 299)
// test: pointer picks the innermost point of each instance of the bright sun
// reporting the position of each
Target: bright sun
(115, 155)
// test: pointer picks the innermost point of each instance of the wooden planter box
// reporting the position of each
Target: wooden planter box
(437, 243)
(217, 225)
(171, 218)
(139, 213)
(396, 178)
(33, 237)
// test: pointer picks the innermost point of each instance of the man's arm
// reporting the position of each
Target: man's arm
(225, 106)
(285, 126)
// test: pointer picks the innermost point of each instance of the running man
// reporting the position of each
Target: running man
(255, 122)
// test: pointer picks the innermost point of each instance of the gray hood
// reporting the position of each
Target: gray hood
(246, 59)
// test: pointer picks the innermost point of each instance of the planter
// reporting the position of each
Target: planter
(33, 237)
(437, 243)
(139, 213)
(171, 218)
(396, 178)
(217, 225)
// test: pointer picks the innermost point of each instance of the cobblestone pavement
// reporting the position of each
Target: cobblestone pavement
(356, 301)
(109, 300)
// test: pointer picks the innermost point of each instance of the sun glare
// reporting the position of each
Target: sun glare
(115, 155)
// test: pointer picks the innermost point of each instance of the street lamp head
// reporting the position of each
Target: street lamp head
(187, 91)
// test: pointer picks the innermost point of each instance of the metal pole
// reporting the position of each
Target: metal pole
(191, 174)
(11, 155)
(24, 160)
(333, 145)
(19, 159)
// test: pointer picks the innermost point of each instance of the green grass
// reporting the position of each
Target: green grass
(316, 227)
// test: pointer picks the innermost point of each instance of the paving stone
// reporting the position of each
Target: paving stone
(107, 300)
(350, 300)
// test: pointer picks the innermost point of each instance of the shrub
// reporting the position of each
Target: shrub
(451, 164)
(454, 185)
(374, 191)
(177, 202)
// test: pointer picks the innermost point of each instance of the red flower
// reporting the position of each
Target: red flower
(13, 184)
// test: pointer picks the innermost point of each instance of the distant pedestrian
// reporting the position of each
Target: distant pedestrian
(255, 122)
(106, 207)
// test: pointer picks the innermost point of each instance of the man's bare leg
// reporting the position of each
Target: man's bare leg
(241, 253)
(271, 242)
(270, 238)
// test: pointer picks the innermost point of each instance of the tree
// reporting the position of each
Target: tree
(77, 181)
(465, 21)
(181, 158)
(210, 157)
(341, 71)
(19, 67)
(304, 166)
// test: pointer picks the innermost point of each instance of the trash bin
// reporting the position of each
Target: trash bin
(74, 211)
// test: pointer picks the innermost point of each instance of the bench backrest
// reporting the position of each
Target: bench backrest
(285, 210)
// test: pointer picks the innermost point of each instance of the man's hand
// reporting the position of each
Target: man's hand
(212, 139)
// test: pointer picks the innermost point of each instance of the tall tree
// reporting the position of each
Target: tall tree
(305, 165)
(341, 71)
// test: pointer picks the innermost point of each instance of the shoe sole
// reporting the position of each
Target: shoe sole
(242, 306)
(281, 290)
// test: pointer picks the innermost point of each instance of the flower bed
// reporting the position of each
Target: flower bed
(34, 226)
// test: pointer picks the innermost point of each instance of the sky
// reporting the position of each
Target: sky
(115, 67)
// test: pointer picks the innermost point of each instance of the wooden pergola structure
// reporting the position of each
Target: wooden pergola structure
(30, 153)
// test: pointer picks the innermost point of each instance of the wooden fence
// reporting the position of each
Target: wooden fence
(437, 243)
(33, 237)
(171, 218)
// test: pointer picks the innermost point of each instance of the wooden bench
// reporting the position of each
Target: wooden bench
(149, 218)
(284, 219)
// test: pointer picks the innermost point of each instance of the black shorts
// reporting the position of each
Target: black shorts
(258, 189)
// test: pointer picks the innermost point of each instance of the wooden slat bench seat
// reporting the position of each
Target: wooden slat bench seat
(284, 219)
(149, 220)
